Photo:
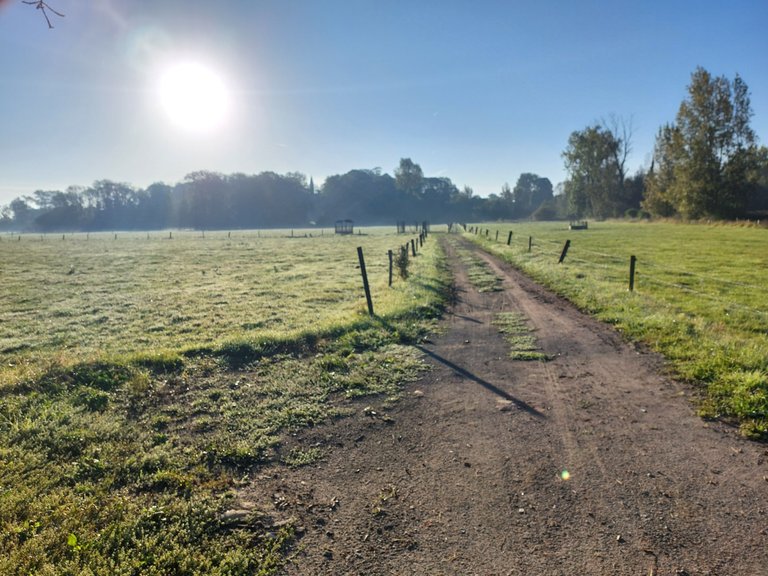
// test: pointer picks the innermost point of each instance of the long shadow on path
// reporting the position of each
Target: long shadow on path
(484, 383)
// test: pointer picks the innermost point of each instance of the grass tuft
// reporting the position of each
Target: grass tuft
(523, 345)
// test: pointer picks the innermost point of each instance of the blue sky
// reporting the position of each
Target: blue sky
(479, 91)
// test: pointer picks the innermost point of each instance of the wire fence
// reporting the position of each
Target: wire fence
(652, 278)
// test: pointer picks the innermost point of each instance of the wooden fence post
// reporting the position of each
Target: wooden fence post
(366, 287)
(497, 235)
(565, 251)
(509, 238)
(413, 248)
(530, 242)
(632, 262)
(391, 259)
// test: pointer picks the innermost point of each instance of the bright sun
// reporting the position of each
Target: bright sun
(194, 97)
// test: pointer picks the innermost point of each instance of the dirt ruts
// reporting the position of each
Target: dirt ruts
(593, 462)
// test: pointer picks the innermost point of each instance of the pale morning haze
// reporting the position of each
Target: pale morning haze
(480, 92)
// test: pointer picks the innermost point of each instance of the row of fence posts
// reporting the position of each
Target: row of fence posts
(404, 249)
(632, 259)
(170, 235)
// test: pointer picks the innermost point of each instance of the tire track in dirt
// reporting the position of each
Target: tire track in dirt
(463, 476)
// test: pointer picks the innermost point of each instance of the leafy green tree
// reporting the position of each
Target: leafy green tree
(362, 195)
(156, 207)
(530, 192)
(435, 203)
(592, 185)
(506, 192)
(758, 202)
(621, 130)
(409, 177)
(659, 184)
(65, 212)
(704, 162)
(205, 200)
(634, 187)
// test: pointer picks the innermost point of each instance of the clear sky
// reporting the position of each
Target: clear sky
(476, 90)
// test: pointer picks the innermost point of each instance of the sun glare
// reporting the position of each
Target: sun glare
(194, 97)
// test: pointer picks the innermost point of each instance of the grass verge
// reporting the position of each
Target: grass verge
(700, 298)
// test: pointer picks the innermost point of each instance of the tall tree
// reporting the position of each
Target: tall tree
(436, 199)
(706, 158)
(593, 172)
(205, 200)
(409, 177)
(659, 184)
(530, 192)
(621, 130)
(758, 202)
(361, 195)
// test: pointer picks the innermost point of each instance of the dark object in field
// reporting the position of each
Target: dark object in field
(345, 227)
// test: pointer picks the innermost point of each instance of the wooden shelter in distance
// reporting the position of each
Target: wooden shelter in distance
(578, 225)
(345, 227)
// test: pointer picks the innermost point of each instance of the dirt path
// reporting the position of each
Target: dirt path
(466, 475)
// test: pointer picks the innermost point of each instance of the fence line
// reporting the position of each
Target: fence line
(410, 244)
(621, 266)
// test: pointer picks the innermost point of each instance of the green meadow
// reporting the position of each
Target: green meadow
(76, 296)
(700, 297)
(146, 379)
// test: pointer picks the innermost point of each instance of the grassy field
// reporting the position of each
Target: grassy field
(87, 297)
(700, 297)
(145, 380)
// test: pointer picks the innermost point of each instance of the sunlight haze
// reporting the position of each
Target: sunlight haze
(476, 92)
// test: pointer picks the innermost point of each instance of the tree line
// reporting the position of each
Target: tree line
(211, 200)
(706, 164)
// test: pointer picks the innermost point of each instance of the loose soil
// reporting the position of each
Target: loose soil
(593, 462)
